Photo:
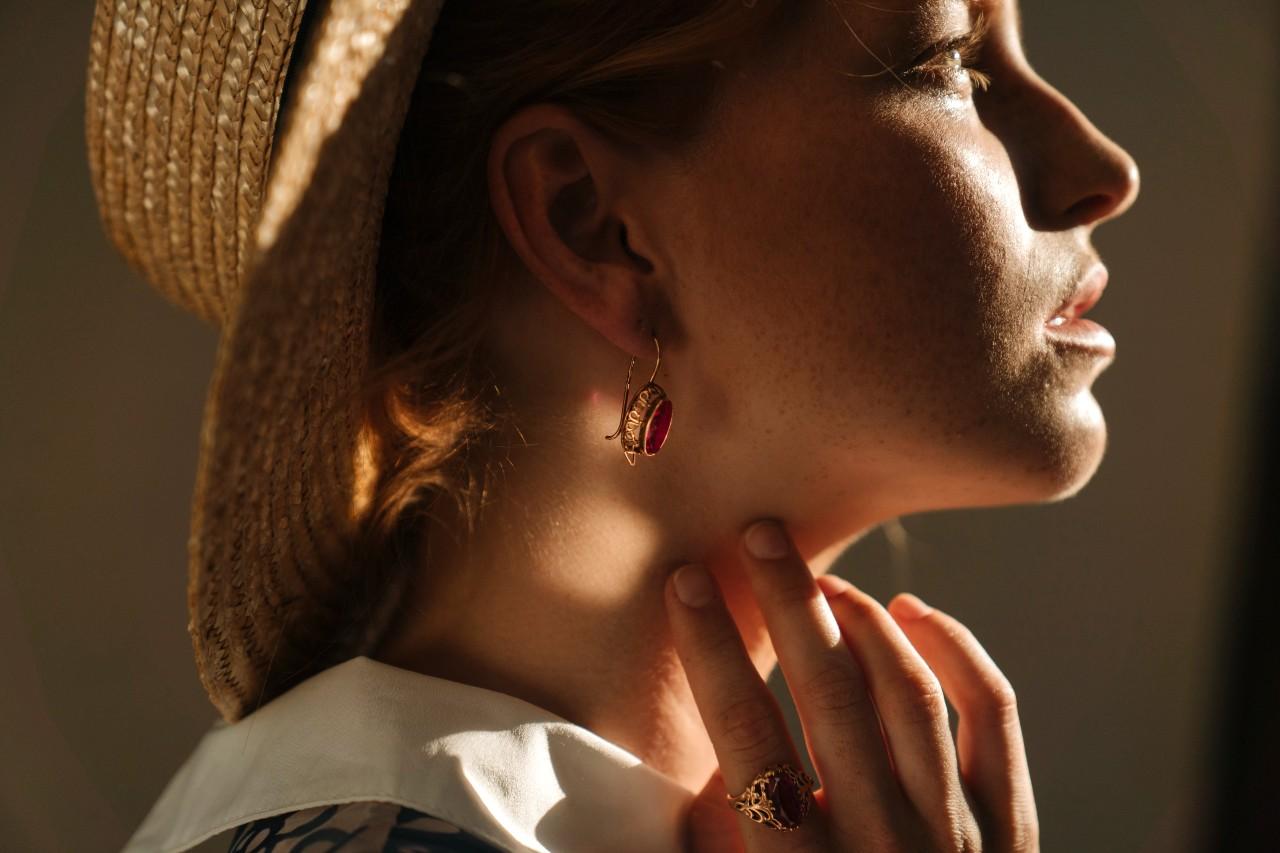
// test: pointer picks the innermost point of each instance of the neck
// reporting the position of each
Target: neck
(557, 596)
(557, 599)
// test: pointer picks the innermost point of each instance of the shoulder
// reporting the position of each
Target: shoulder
(360, 827)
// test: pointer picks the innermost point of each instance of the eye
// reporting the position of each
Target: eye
(949, 67)
(954, 62)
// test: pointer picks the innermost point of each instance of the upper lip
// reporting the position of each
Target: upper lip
(1085, 295)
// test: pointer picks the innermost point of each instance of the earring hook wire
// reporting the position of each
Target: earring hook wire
(626, 391)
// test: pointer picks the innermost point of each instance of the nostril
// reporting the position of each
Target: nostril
(1091, 208)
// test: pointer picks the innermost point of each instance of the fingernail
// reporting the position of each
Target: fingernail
(911, 607)
(765, 540)
(694, 586)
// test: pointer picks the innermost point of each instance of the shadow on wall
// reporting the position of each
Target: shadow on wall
(1245, 770)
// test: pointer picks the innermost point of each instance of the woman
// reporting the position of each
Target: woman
(434, 604)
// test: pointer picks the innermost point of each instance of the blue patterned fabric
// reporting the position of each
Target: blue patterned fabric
(360, 827)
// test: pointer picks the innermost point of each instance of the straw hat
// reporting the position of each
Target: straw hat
(271, 234)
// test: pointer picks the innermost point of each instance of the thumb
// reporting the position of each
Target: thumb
(712, 824)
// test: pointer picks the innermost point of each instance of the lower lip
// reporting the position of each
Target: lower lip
(1084, 334)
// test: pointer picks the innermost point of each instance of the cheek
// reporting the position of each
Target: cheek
(943, 249)
(872, 266)
(874, 290)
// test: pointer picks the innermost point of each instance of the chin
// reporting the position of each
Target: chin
(1052, 458)
(1069, 462)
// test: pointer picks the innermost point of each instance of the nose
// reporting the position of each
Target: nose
(1072, 174)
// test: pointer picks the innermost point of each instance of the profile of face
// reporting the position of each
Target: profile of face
(854, 271)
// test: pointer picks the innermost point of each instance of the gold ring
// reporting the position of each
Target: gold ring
(779, 797)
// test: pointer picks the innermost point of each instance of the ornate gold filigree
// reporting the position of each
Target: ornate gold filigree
(638, 412)
(756, 804)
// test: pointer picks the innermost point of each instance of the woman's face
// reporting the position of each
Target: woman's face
(865, 261)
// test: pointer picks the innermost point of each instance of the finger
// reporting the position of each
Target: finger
(993, 758)
(913, 710)
(710, 827)
(831, 694)
(741, 716)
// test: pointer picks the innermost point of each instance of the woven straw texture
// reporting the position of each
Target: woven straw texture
(280, 253)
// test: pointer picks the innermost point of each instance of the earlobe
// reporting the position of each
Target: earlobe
(553, 187)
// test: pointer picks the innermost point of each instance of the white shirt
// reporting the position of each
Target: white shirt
(500, 768)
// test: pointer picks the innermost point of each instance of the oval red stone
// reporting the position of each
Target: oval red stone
(655, 433)
(788, 800)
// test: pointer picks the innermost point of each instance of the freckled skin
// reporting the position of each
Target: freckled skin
(849, 279)
(875, 277)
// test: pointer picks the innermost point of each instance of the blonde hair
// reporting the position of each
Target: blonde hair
(642, 73)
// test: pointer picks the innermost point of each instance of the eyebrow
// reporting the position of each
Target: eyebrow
(985, 7)
(927, 12)
(931, 9)
(924, 15)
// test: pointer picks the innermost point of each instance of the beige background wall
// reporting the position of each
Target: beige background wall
(1104, 610)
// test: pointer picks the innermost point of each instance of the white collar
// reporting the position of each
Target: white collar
(502, 769)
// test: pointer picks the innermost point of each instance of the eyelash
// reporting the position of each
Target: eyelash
(964, 52)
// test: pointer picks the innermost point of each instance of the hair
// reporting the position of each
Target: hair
(642, 74)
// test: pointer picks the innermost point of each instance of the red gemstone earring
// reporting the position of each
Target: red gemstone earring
(646, 419)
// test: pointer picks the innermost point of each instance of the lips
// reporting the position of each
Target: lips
(1086, 294)
(1070, 331)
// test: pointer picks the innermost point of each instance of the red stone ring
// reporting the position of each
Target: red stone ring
(780, 797)
(646, 419)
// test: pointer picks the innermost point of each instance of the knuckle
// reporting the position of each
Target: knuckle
(995, 699)
(749, 729)
(922, 696)
(1025, 837)
(963, 833)
(1001, 706)
(968, 837)
(836, 689)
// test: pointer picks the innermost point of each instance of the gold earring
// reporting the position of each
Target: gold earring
(646, 419)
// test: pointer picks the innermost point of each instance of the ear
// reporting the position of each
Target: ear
(556, 186)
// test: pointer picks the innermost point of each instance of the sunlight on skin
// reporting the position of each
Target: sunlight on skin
(851, 278)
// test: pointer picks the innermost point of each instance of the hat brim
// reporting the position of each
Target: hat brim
(281, 486)
(181, 107)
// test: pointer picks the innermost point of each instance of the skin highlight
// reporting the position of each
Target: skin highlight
(849, 275)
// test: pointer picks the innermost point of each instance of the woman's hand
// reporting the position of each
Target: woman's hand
(872, 710)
